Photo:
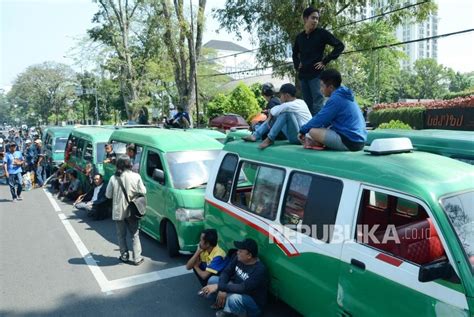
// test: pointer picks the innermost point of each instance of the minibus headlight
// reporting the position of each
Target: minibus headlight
(183, 214)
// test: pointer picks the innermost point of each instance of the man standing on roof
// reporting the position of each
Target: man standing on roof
(308, 57)
(340, 125)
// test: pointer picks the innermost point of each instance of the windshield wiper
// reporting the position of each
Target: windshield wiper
(196, 186)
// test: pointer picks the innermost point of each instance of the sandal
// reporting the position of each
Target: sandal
(139, 262)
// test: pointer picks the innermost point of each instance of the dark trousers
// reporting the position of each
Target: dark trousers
(14, 181)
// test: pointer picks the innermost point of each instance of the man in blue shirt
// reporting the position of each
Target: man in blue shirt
(12, 164)
(340, 124)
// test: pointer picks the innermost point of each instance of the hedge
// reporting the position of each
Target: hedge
(413, 116)
(464, 93)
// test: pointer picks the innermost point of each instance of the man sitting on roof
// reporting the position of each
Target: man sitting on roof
(290, 116)
(339, 125)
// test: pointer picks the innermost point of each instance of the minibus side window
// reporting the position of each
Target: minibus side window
(225, 175)
(312, 201)
(88, 152)
(80, 148)
(259, 193)
(153, 161)
(402, 228)
(137, 159)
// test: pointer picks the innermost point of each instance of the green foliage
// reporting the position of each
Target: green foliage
(218, 106)
(429, 79)
(257, 91)
(459, 82)
(413, 116)
(464, 93)
(242, 101)
(394, 124)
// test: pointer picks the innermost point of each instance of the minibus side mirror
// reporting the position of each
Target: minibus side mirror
(158, 176)
(436, 270)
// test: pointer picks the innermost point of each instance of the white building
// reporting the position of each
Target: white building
(234, 59)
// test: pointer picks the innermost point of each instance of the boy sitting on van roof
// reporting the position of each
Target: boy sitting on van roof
(290, 116)
(209, 259)
(340, 124)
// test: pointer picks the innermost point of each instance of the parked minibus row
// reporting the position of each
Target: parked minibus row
(385, 232)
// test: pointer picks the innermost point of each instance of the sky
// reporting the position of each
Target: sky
(35, 31)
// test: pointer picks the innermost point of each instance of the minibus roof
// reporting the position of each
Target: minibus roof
(167, 140)
(418, 173)
(96, 134)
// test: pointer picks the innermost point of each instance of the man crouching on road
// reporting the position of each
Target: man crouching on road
(242, 286)
(209, 259)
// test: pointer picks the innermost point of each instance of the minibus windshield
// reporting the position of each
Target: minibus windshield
(460, 211)
(190, 169)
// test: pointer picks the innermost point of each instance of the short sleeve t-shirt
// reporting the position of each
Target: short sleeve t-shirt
(13, 162)
(213, 262)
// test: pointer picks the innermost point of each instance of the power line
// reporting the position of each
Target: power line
(348, 52)
(339, 27)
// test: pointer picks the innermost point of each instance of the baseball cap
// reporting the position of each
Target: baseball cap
(249, 245)
(28, 141)
(288, 89)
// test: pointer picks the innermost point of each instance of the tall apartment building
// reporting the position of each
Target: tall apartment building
(410, 30)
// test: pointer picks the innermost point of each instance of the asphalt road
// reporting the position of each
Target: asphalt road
(55, 261)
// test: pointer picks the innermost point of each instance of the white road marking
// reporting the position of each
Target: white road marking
(105, 285)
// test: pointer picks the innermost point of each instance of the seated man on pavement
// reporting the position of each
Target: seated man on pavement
(209, 259)
(94, 201)
(73, 188)
(290, 116)
(242, 286)
(339, 125)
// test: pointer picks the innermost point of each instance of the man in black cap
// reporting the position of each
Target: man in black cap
(288, 118)
(309, 60)
(242, 286)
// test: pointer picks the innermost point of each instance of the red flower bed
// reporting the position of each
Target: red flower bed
(460, 102)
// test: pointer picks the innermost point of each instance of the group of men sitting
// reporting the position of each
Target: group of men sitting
(236, 282)
(339, 125)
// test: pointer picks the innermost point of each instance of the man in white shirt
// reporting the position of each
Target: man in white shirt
(95, 199)
(288, 118)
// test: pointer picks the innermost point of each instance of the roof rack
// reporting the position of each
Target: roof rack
(390, 146)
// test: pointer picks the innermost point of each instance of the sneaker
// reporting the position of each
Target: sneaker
(124, 257)
(19, 198)
(14, 200)
(139, 262)
(249, 138)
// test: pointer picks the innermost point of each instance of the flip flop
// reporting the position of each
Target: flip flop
(314, 147)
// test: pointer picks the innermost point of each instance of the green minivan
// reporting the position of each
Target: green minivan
(458, 145)
(174, 166)
(86, 145)
(54, 142)
(387, 232)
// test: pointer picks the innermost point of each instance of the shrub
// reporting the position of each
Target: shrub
(465, 93)
(395, 124)
(242, 101)
(217, 106)
(413, 116)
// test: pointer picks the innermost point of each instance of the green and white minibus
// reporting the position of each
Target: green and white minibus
(388, 232)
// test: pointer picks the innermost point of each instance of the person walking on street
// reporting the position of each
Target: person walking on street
(130, 182)
(39, 163)
(12, 162)
(308, 58)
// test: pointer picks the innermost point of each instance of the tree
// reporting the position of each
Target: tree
(276, 23)
(430, 79)
(42, 88)
(5, 109)
(117, 19)
(458, 82)
(183, 47)
(242, 101)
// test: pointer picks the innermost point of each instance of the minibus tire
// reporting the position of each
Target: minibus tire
(172, 243)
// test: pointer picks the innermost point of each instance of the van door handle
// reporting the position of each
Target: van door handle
(357, 263)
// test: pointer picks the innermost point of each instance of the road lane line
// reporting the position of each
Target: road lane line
(148, 277)
(52, 201)
(105, 285)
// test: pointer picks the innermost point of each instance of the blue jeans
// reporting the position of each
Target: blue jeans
(237, 304)
(287, 123)
(40, 175)
(312, 94)
(15, 179)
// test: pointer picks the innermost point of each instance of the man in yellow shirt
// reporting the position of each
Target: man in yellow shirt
(209, 259)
